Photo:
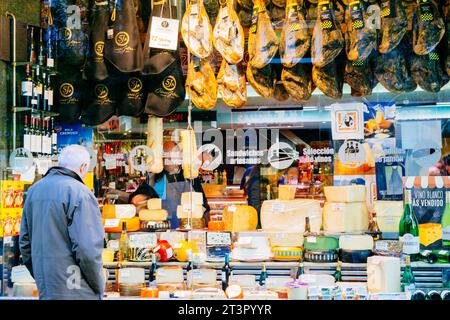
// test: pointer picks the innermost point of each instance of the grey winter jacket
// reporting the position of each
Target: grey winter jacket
(61, 237)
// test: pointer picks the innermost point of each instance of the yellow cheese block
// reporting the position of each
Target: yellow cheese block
(429, 233)
(239, 218)
(115, 225)
(286, 192)
(183, 211)
(354, 193)
(345, 217)
(118, 211)
(286, 253)
(153, 215)
(154, 204)
(197, 198)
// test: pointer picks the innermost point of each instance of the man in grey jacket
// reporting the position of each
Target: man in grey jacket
(61, 236)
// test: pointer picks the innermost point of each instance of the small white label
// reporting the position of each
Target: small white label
(232, 208)
(8, 240)
(446, 233)
(410, 288)
(337, 206)
(410, 243)
(27, 88)
(112, 223)
(54, 138)
(50, 62)
(278, 207)
(312, 239)
(110, 33)
(187, 207)
(381, 246)
(197, 274)
(33, 101)
(110, 163)
(169, 252)
(48, 95)
(38, 90)
(27, 142)
(164, 33)
(124, 273)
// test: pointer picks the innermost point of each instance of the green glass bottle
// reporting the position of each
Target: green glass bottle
(408, 283)
(443, 256)
(263, 276)
(226, 272)
(428, 256)
(409, 229)
(445, 222)
(338, 273)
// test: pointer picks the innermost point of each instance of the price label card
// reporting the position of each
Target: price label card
(124, 273)
(232, 208)
(380, 245)
(218, 238)
(112, 223)
(197, 274)
(311, 239)
(187, 207)
(164, 33)
(278, 207)
(143, 240)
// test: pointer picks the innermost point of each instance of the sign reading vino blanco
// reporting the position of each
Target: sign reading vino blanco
(428, 205)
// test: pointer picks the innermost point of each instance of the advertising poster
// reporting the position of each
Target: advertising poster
(12, 198)
(347, 121)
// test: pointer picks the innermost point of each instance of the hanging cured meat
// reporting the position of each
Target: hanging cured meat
(427, 72)
(262, 80)
(245, 17)
(327, 41)
(201, 84)
(392, 69)
(362, 36)
(280, 3)
(228, 35)
(295, 39)
(279, 91)
(359, 76)
(262, 41)
(394, 25)
(446, 44)
(429, 29)
(329, 79)
(298, 81)
(232, 85)
(196, 30)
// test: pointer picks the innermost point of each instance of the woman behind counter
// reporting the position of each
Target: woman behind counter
(170, 184)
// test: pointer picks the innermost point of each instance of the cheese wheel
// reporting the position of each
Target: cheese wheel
(118, 211)
(154, 204)
(183, 211)
(239, 218)
(153, 215)
(286, 253)
(115, 225)
(286, 192)
(155, 134)
(191, 164)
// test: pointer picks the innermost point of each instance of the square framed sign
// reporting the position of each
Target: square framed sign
(347, 121)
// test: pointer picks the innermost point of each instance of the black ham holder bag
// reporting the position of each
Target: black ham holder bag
(69, 90)
(99, 16)
(68, 20)
(131, 99)
(100, 101)
(123, 44)
(162, 72)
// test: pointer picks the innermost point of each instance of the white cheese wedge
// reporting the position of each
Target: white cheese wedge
(154, 204)
(345, 217)
(356, 242)
(353, 193)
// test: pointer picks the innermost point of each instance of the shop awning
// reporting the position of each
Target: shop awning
(426, 182)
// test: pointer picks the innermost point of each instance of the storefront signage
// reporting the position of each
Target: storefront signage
(323, 155)
(352, 154)
(347, 121)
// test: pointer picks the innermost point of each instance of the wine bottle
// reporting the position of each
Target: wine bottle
(38, 88)
(338, 272)
(307, 232)
(428, 256)
(27, 89)
(418, 295)
(409, 229)
(32, 56)
(50, 55)
(48, 95)
(26, 135)
(445, 222)
(226, 272)
(48, 139)
(124, 243)
(154, 266)
(54, 141)
(300, 270)
(443, 256)
(408, 283)
(263, 276)
(433, 295)
(39, 137)
(41, 55)
(34, 101)
(33, 143)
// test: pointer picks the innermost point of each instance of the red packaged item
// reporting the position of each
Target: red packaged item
(163, 250)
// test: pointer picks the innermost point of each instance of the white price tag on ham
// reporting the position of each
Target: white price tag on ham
(164, 33)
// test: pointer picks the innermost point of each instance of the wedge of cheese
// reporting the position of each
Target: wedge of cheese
(118, 211)
(289, 215)
(286, 192)
(239, 218)
(185, 210)
(153, 215)
(197, 198)
(345, 217)
(356, 242)
(154, 204)
(353, 193)
(429, 233)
